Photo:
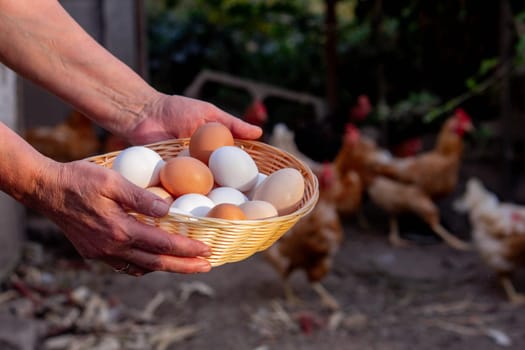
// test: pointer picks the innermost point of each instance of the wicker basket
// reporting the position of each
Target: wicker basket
(232, 241)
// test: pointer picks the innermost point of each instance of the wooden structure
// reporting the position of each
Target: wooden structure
(11, 213)
(257, 91)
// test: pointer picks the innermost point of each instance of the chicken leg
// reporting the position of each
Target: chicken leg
(326, 298)
(450, 239)
(394, 236)
(289, 294)
(514, 297)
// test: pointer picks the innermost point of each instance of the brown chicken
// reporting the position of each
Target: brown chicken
(347, 187)
(498, 233)
(312, 243)
(362, 155)
(73, 139)
(435, 172)
(396, 198)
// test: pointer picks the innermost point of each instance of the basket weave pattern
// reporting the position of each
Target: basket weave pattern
(232, 241)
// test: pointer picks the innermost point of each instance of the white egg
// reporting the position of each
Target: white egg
(233, 167)
(227, 195)
(185, 152)
(192, 203)
(140, 165)
(260, 179)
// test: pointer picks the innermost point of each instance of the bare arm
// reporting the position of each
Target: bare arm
(87, 202)
(39, 40)
(42, 42)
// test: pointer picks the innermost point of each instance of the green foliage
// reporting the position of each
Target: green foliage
(272, 41)
(428, 57)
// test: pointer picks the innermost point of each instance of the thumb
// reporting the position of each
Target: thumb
(141, 200)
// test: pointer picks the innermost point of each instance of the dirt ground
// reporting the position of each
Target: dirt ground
(428, 296)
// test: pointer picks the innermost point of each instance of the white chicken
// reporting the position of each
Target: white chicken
(498, 233)
(284, 138)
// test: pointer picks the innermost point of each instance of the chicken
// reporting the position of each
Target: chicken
(73, 139)
(312, 243)
(435, 172)
(396, 198)
(347, 187)
(283, 138)
(362, 155)
(498, 233)
(408, 147)
(361, 110)
(352, 162)
(114, 143)
(256, 113)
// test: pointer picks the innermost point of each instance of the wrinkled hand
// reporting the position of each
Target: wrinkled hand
(87, 201)
(177, 116)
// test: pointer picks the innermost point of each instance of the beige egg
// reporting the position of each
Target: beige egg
(255, 210)
(284, 189)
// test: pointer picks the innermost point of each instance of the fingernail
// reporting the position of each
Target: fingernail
(204, 266)
(160, 207)
(206, 252)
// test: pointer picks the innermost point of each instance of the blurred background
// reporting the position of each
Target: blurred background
(396, 70)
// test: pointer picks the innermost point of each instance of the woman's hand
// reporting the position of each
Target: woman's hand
(89, 203)
(177, 116)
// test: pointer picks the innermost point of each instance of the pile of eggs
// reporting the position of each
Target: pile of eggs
(213, 178)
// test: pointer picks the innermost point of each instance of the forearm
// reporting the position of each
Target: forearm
(40, 41)
(21, 166)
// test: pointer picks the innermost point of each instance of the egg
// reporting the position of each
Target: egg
(207, 138)
(231, 166)
(260, 179)
(139, 165)
(227, 195)
(192, 204)
(161, 192)
(283, 188)
(255, 210)
(226, 211)
(182, 175)
(185, 152)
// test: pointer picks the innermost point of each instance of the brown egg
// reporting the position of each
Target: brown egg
(207, 138)
(161, 192)
(226, 211)
(182, 175)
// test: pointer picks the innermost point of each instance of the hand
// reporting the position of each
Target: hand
(88, 202)
(177, 116)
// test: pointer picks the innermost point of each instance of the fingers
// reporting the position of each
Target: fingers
(139, 200)
(153, 262)
(239, 128)
(243, 130)
(154, 240)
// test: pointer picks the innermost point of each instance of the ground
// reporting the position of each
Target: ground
(428, 296)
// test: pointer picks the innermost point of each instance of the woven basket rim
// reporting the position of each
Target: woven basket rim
(301, 211)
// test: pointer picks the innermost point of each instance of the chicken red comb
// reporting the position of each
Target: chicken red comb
(462, 116)
(326, 175)
(352, 133)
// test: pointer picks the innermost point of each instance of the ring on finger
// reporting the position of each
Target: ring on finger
(123, 269)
